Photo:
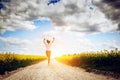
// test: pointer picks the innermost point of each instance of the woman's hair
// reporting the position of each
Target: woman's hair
(48, 41)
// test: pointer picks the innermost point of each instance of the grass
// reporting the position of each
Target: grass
(103, 60)
(10, 61)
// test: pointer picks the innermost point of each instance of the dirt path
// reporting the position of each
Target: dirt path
(55, 71)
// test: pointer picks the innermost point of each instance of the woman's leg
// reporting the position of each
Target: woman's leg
(48, 53)
(49, 57)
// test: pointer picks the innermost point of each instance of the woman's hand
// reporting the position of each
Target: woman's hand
(53, 39)
(44, 41)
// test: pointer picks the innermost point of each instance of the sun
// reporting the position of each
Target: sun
(55, 54)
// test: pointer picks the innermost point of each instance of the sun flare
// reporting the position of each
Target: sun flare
(55, 54)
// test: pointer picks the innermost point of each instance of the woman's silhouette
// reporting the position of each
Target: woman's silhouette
(48, 46)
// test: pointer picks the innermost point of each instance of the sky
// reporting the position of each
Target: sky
(77, 25)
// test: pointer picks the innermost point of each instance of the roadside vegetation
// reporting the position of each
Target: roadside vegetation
(101, 60)
(10, 61)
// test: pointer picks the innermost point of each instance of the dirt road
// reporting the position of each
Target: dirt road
(55, 71)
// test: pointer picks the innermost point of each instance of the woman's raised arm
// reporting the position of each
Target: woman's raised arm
(44, 41)
(53, 39)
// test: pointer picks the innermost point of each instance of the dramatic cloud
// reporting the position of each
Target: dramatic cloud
(111, 8)
(67, 15)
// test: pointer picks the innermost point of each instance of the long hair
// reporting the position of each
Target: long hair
(48, 41)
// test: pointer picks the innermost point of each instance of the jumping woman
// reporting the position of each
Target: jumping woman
(48, 46)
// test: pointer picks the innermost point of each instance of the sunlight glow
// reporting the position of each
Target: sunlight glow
(55, 53)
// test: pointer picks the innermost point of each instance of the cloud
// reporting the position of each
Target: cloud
(111, 8)
(14, 41)
(66, 15)
(24, 46)
(110, 44)
(14, 24)
(82, 45)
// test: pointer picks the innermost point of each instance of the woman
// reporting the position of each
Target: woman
(48, 46)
